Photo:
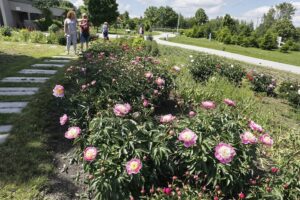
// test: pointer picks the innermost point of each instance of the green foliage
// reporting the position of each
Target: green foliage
(262, 82)
(53, 28)
(152, 48)
(101, 11)
(42, 4)
(291, 91)
(5, 31)
(37, 37)
(24, 35)
(201, 17)
(205, 66)
(268, 42)
(161, 17)
(285, 48)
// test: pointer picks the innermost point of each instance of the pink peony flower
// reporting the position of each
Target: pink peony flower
(188, 137)
(59, 91)
(248, 138)
(266, 139)
(63, 119)
(73, 132)
(192, 114)
(148, 75)
(133, 166)
(255, 127)
(155, 92)
(122, 109)
(90, 153)
(274, 170)
(229, 102)
(224, 153)
(160, 82)
(208, 105)
(145, 103)
(167, 119)
(242, 195)
(167, 190)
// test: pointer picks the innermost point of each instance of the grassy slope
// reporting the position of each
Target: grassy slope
(26, 159)
(288, 58)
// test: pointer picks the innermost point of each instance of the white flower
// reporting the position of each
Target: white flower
(299, 91)
(192, 61)
(291, 86)
(191, 56)
(231, 66)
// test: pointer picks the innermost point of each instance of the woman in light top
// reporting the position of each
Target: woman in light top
(105, 31)
(70, 28)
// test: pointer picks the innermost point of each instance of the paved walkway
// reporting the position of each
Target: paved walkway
(16, 89)
(247, 59)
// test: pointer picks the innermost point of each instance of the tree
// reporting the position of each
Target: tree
(66, 5)
(151, 14)
(285, 29)
(201, 17)
(101, 11)
(285, 11)
(229, 22)
(269, 41)
(45, 4)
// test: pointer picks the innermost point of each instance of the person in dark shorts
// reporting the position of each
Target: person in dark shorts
(105, 31)
(84, 31)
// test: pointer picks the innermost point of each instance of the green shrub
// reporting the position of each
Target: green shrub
(263, 83)
(61, 38)
(44, 24)
(37, 37)
(53, 28)
(291, 91)
(138, 42)
(152, 48)
(205, 66)
(24, 35)
(268, 42)
(285, 48)
(5, 31)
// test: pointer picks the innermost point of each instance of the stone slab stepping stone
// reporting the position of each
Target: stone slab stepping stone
(12, 107)
(57, 61)
(37, 71)
(48, 65)
(3, 138)
(24, 80)
(5, 128)
(18, 91)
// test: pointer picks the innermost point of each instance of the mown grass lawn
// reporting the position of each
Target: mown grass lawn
(288, 58)
(26, 158)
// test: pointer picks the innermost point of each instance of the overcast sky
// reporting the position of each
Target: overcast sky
(250, 10)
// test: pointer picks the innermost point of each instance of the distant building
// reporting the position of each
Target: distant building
(19, 13)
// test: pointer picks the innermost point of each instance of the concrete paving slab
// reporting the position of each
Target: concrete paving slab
(24, 79)
(48, 65)
(38, 71)
(18, 91)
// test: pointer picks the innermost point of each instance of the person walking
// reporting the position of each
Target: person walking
(70, 29)
(141, 31)
(105, 31)
(84, 31)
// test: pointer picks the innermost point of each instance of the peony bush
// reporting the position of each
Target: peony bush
(137, 139)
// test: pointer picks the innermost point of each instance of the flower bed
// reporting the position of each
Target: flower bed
(137, 139)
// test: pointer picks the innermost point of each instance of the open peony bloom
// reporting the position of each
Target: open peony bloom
(59, 91)
(167, 119)
(145, 103)
(224, 153)
(208, 105)
(122, 109)
(160, 82)
(167, 190)
(73, 132)
(192, 114)
(266, 139)
(255, 127)
(188, 137)
(90, 153)
(63, 119)
(133, 166)
(148, 75)
(229, 102)
(248, 138)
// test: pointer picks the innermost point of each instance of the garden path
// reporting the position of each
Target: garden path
(234, 56)
(15, 88)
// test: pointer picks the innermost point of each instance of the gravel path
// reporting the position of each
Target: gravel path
(247, 59)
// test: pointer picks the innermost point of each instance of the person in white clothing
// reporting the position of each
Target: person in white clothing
(70, 29)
